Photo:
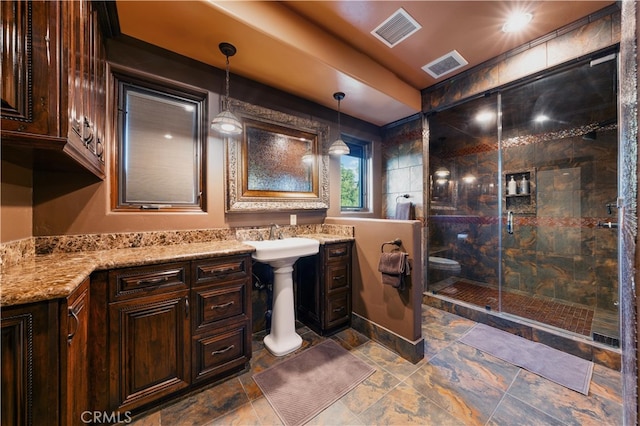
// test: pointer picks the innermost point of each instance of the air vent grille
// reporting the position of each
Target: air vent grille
(396, 28)
(445, 64)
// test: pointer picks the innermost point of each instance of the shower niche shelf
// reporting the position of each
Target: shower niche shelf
(523, 201)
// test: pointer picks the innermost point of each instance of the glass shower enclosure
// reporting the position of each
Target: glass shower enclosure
(523, 187)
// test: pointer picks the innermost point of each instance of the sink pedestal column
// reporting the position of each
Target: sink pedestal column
(283, 338)
(281, 255)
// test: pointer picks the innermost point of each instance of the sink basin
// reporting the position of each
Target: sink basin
(284, 251)
(281, 255)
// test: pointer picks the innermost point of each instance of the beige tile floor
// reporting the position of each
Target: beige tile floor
(453, 385)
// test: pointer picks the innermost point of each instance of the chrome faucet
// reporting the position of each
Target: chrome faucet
(272, 235)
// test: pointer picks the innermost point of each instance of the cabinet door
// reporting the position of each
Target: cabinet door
(149, 344)
(30, 88)
(84, 96)
(29, 372)
(74, 390)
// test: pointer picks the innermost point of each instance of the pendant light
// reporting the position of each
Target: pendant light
(225, 122)
(338, 147)
(308, 157)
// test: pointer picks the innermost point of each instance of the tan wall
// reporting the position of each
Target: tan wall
(16, 192)
(399, 312)
(75, 204)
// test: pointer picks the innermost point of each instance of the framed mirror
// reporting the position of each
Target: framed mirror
(277, 163)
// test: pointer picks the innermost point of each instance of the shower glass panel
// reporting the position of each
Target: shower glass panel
(559, 258)
(522, 210)
(464, 200)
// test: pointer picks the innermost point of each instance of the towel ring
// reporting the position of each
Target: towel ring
(397, 242)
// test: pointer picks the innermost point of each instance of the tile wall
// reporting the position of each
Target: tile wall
(402, 168)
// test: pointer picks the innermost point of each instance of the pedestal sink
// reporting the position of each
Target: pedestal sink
(281, 255)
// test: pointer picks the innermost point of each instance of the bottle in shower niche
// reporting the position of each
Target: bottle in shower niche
(512, 187)
(524, 185)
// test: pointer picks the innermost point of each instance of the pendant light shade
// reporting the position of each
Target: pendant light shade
(225, 122)
(338, 147)
(308, 157)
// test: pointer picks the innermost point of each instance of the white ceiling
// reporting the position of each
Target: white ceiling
(315, 48)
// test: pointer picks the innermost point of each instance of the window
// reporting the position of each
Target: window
(161, 142)
(354, 169)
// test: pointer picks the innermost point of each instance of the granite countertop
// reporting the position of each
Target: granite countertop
(54, 276)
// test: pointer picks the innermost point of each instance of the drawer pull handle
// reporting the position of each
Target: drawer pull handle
(71, 335)
(186, 306)
(223, 305)
(221, 351)
(341, 308)
(218, 270)
(339, 253)
(157, 280)
(338, 277)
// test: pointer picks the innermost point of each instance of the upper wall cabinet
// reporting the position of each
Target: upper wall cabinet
(53, 78)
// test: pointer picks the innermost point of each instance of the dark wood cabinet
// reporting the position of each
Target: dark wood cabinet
(44, 361)
(29, 381)
(221, 330)
(171, 327)
(149, 317)
(53, 91)
(149, 340)
(323, 288)
(74, 361)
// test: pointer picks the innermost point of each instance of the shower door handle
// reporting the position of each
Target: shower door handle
(610, 225)
(510, 222)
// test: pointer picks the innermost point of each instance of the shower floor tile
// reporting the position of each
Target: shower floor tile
(576, 319)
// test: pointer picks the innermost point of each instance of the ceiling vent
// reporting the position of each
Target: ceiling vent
(396, 28)
(445, 64)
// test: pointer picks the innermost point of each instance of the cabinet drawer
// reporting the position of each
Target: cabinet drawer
(147, 280)
(218, 303)
(338, 309)
(336, 252)
(337, 276)
(223, 269)
(221, 352)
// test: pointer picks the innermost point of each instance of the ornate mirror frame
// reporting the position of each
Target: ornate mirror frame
(248, 190)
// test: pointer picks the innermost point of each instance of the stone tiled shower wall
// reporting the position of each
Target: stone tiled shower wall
(545, 244)
(560, 251)
(564, 254)
(402, 167)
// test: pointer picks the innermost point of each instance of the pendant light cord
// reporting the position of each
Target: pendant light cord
(226, 99)
(339, 126)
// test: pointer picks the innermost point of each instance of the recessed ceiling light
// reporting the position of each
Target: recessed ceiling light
(485, 116)
(516, 22)
(541, 118)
